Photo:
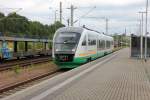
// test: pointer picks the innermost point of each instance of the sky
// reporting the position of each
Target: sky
(122, 14)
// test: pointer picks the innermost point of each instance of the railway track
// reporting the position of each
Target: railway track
(23, 63)
(13, 88)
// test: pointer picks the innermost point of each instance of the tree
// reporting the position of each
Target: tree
(2, 16)
(54, 27)
(15, 24)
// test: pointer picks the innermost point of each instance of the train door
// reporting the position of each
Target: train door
(92, 46)
(83, 48)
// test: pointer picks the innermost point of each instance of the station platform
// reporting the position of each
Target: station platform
(113, 77)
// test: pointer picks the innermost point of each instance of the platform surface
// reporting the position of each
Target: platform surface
(117, 77)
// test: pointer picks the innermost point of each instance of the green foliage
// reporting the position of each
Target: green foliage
(14, 24)
(1, 23)
(32, 65)
(121, 40)
(16, 69)
(21, 46)
(50, 44)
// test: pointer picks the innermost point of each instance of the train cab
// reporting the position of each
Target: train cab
(65, 44)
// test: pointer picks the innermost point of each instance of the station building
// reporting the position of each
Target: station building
(136, 46)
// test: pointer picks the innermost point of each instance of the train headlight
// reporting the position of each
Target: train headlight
(73, 50)
(57, 49)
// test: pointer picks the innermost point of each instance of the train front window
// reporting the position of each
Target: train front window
(66, 41)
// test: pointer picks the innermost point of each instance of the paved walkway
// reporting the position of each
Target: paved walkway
(122, 78)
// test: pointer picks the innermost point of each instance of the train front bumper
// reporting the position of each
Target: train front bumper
(72, 64)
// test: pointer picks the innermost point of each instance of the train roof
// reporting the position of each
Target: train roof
(71, 29)
(80, 30)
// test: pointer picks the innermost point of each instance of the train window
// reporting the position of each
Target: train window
(65, 37)
(108, 43)
(94, 42)
(112, 43)
(66, 41)
(99, 44)
(91, 40)
(84, 41)
(102, 44)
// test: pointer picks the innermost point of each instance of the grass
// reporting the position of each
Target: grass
(16, 69)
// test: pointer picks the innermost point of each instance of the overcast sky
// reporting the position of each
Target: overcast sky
(121, 13)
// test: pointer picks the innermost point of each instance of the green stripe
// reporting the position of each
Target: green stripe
(80, 60)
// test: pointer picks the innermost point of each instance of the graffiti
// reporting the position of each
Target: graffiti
(5, 51)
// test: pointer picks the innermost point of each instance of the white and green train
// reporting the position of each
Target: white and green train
(73, 46)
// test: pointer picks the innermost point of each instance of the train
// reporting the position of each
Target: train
(74, 46)
(17, 48)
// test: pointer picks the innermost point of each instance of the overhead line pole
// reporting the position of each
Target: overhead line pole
(72, 8)
(107, 25)
(60, 12)
(56, 15)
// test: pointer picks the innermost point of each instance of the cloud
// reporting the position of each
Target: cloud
(121, 13)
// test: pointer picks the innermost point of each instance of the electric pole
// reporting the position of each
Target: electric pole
(107, 25)
(72, 8)
(146, 24)
(56, 15)
(60, 12)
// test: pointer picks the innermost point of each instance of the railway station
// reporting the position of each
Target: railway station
(114, 77)
(74, 50)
